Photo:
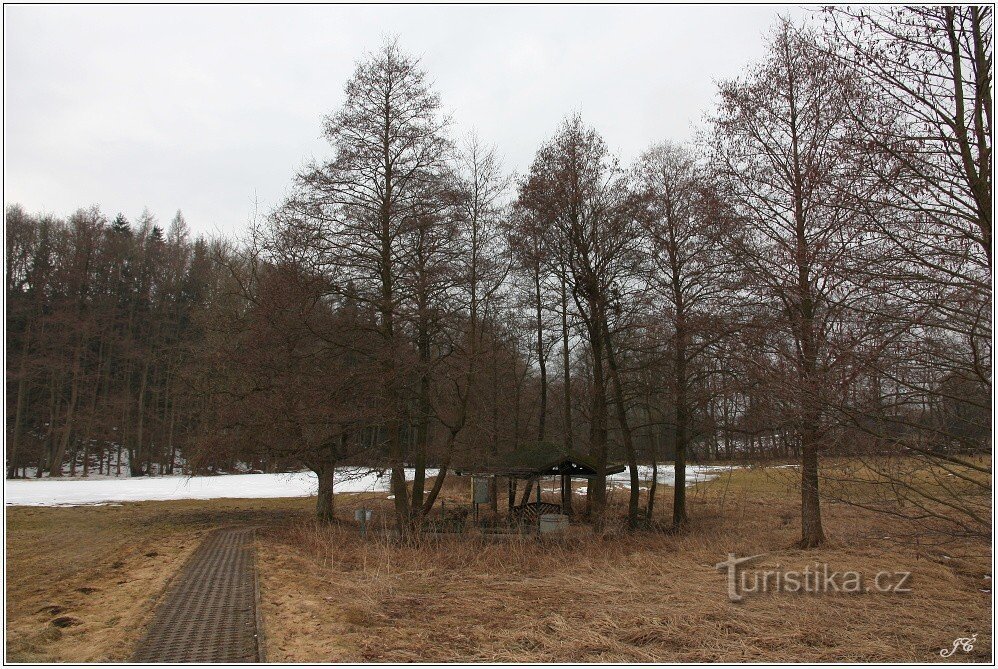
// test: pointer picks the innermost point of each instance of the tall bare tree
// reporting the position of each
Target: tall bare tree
(577, 189)
(682, 222)
(380, 187)
(778, 141)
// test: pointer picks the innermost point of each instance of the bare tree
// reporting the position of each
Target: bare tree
(922, 137)
(683, 226)
(382, 184)
(576, 188)
(778, 153)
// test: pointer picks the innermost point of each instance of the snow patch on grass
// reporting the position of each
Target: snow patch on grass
(71, 492)
(667, 474)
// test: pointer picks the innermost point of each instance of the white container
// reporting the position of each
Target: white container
(551, 523)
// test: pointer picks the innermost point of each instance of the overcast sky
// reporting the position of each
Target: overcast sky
(212, 109)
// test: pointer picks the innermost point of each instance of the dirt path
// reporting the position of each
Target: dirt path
(209, 612)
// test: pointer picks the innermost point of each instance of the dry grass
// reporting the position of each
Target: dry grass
(330, 597)
(99, 569)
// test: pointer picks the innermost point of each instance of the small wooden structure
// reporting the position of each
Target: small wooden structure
(532, 463)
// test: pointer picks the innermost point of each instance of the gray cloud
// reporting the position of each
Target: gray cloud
(212, 109)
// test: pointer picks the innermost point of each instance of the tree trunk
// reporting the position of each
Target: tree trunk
(135, 454)
(49, 448)
(596, 494)
(423, 407)
(652, 489)
(86, 458)
(811, 531)
(625, 429)
(400, 492)
(171, 446)
(22, 382)
(419, 475)
(527, 489)
(399, 488)
(566, 365)
(325, 504)
(55, 466)
(442, 473)
(494, 437)
(542, 363)
(727, 427)
(16, 433)
(653, 449)
(679, 517)
(812, 534)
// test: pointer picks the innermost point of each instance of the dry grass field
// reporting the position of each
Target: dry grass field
(83, 581)
(329, 596)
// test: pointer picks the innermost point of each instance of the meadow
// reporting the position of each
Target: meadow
(82, 583)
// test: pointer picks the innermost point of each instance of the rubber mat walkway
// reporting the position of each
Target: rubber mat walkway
(209, 612)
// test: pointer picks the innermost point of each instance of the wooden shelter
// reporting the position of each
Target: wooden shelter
(534, 462)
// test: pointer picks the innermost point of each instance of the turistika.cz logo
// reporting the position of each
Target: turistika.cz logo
(813, 579)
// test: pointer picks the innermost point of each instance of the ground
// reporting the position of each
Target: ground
(82, 581)
(327, 595)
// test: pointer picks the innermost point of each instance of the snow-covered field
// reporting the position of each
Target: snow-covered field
(667, 474)
(67, 491)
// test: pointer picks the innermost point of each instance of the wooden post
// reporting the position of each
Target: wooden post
(566, 494)
(511, 485)
(539, 480)
(474, 500)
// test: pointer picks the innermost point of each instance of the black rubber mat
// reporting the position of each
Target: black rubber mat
(209, 612)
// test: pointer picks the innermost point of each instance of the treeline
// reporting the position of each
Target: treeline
(102, 337)
(812, 276)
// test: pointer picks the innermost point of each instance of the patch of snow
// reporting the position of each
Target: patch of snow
(667, 474)
(103, 490)
(72, 492)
